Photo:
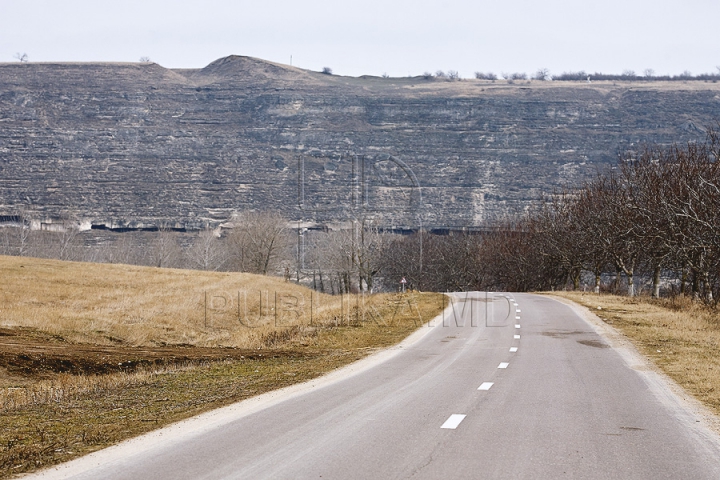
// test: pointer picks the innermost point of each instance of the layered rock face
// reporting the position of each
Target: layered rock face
(138, 145)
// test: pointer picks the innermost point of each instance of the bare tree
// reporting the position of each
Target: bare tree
(164, 250)
(6, 244)
(22, 57)
(206, 251)
(327, 70)
(17, 235)
(259, 242)
(542, 74)
(145, 60)
(121, 249)
(68, 240)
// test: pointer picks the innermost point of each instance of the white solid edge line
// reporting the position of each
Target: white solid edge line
(204, 422)
(485, 386)
(453, 421)
(513, 349)
(503, 365)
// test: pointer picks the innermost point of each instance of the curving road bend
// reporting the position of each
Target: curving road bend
(512, 386)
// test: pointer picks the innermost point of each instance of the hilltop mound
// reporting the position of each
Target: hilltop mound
(242, 69)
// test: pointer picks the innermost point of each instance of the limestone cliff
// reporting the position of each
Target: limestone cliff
(138, 144)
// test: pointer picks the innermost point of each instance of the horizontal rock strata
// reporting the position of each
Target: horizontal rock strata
(139, 145)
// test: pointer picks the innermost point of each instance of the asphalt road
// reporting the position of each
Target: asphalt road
(519, 386)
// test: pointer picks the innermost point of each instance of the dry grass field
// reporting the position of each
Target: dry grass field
(681, 337)
(140, 306)
(91, 354)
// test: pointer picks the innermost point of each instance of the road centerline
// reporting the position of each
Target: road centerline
(453, 421)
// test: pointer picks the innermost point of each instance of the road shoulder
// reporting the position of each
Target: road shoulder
(686, 407)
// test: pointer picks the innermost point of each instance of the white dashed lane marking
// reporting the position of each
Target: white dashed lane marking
(503, 365)
(513, 349)
(517, 325)
(485, 386)
(453, 421)
(516, 337)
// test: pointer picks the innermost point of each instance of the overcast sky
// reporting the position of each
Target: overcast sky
(397, 37)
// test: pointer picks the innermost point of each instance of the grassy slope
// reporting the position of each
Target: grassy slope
(108, 304)
(52, 420)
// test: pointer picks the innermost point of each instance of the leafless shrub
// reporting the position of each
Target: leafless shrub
(628, 74)
(485, 76)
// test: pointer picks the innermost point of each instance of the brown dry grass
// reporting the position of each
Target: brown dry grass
(123, 304)
(681, 337)
(50, 420)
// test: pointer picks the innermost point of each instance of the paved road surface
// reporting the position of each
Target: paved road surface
(518, 387)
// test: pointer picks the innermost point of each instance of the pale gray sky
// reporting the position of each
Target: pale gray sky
(398, 37)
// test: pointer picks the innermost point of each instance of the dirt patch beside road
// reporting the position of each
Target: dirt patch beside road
(29, 354)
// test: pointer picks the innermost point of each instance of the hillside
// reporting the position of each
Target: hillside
(93, 354)
(132, 145)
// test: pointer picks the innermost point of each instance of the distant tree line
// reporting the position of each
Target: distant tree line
(258, 242)
(544, 74)
(261, 242)
(655, 215)
(630, 75)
